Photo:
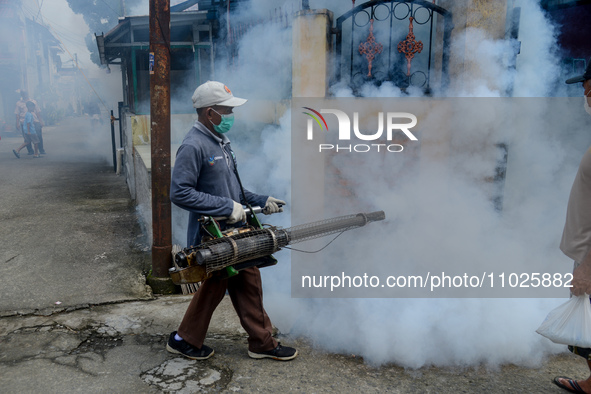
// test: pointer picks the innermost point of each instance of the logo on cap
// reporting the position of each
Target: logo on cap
(227, 90)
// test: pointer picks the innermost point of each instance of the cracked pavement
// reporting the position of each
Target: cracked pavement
(120, 347)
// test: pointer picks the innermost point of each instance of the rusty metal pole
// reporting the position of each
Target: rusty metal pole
(160, 132)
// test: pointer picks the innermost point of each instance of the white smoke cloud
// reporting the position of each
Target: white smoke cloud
(419, 332)
(68, 26)
(538, 66)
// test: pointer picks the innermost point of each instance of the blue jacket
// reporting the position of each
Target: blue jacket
(203, 180)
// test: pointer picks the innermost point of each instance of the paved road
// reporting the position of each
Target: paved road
(68, 234)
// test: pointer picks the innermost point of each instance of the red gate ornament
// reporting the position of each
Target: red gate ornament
(410, 46)
(370, 48)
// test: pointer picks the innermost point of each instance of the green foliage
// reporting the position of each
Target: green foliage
(92, 47)
(51, 112)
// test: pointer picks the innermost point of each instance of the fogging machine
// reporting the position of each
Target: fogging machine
(225, 253)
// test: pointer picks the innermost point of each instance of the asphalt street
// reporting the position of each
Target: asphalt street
(77, 317)
(69, 235)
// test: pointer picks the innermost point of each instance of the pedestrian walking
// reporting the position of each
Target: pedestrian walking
(21, 110)
(576, 237)
(29, 132)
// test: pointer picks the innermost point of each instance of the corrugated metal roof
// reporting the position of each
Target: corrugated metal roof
(115, 43)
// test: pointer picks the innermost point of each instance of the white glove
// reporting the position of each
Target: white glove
(273, 206)
(238, 215)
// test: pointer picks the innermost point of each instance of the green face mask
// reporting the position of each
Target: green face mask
(225, 124)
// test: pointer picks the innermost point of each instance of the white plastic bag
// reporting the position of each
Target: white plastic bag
(570, 323)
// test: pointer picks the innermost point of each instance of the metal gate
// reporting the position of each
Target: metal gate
(393, 40)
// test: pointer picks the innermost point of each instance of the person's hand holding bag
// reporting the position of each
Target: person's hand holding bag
(570, 323)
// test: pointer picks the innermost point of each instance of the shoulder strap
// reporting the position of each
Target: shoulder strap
(238, 178)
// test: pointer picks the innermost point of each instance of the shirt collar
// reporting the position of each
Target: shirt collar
(201, 127)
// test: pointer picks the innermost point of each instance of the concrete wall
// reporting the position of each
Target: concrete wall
(311, 53)
(143, 192)
(489, 16)
(128, 159)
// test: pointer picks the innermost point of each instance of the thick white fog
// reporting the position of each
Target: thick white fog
(444, 215)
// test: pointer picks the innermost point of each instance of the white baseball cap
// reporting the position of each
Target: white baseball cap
(215, 93)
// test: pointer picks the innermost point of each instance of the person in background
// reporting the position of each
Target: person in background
(21, 110)
(576, 237)
(29, 132)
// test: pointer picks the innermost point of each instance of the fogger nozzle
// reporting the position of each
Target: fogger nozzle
(222, 252)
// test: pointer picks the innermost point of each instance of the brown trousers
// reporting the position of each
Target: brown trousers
(246, 293)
